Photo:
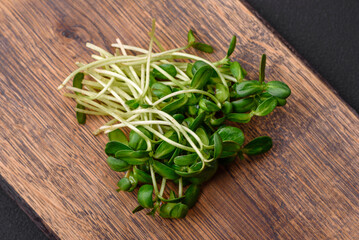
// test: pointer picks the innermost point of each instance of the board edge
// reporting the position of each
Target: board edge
(296, 54)
(29, 211)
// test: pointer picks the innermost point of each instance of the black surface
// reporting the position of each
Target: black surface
(14, 223)
(324, 32)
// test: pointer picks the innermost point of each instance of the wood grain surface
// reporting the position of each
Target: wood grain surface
(306, 187)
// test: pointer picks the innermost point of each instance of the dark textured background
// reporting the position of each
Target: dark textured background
(325, 33)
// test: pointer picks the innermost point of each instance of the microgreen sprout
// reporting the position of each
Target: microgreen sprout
(175, 111)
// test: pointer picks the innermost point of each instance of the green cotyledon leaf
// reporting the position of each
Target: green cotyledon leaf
(258, 145)
(232, 46)
(118, 135)
(266, 107)
(117, 164)
(278, 89)
(168, 68)
(164, 170)
(165, 149)
(191, 195)
(144, 196)
(201, 77)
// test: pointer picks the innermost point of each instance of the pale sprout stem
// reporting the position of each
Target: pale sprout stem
(176, 144)
(154, 180)
(180, 187)
(137, 80)
(172, 79)
(135, 123)
(107, 86)
(98, 131)
(120, 77)
(163, 185)
(188, 91)
(134, 84)
(143, 76)
(98, 49)
(147, 82)
(122, 120)
(90, 112)
(230, 78)
(181, 73)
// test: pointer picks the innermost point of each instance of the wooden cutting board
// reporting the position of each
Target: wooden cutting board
(306, 187)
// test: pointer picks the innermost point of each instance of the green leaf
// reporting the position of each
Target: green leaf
(247, 88)
(175, 104)
(133, 181)
(281, 101)
(124, 184)
(166, 209)
(142, 176)
(114, 146)
(136, 142)
(161, 90)
(186, 160)
(188, 174)
(165, 149)
(172, 200)
(218, 145)
(230, 133)
(227, 107)
(239, 117)
(197, 65)
(132, 104)
(81, 117)
(262, 68)
(278, 89)
(231, 146)
(191, 195)
(197, 121)
(237, 71)
(131, 153)
(258, 145)
(188, 121)
(192, 99)
(203, 47)
(222, 93)
(232, 46)
(190, 38)
(117, 165)
(137, 209)
(244, 105)
(208, 105)
(152, 79)
(164, 170)
(77, 81)
(179, 117)
(118, 135)
(144, 196)
(266, 107)
(189, 70)
(201, 133)
(180, 210)
(168, 68)
(206, 174)
(192, 110)
(201, 77)
(217, 121)
(133, 157)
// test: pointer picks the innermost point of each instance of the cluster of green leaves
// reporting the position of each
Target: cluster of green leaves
(239, 103)
(196, 139)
